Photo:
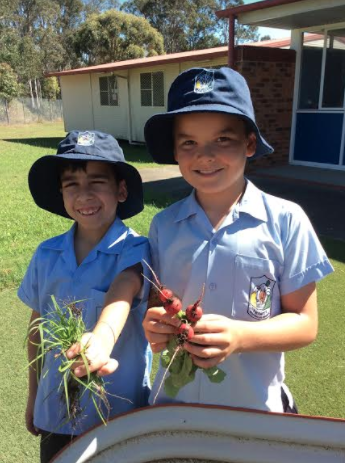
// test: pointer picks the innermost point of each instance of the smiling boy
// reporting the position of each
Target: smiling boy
(89, 182)
(257, 255)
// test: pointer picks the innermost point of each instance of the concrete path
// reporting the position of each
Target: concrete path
(321, 193)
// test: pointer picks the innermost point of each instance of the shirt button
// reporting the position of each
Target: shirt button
(212, 286)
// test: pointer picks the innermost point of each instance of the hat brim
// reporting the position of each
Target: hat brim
(44, 184)
(159, 132)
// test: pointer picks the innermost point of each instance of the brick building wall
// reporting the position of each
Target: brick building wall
(270, 74)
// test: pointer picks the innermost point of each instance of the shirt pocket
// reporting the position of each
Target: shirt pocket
(256, 295)
(93, 307)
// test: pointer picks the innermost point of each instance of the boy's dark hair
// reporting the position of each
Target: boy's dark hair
(67, 164)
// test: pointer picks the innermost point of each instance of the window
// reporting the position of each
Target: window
(108, 91)
(152, 89)
(334, 83)
(322, 88)
(311, 71)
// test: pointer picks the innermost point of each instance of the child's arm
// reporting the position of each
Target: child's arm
(217, 337)
(101, 341)
(33, 341)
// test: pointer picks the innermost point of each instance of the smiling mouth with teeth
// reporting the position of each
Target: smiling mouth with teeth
(208, 172)
(88, 212)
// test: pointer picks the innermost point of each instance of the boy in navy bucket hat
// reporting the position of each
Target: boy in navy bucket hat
(257, 256)
(88, 181)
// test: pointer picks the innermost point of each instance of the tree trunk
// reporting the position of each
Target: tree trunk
(7, 114)
(32, 95)
(37, 95)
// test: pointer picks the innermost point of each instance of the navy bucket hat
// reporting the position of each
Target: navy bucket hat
(201, 90)
(44, 178)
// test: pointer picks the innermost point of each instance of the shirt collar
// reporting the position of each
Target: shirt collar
(189, 206)
(111, 243)
(252, 203)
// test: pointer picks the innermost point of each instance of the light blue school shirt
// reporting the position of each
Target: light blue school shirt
(265, 248)
(53, 270)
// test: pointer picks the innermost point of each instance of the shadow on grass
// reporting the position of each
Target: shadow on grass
(43, 142)
(335, 249)
(133, 153)
(162, 193)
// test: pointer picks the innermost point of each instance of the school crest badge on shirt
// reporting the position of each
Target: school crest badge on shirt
(260, 297)
(204, 82)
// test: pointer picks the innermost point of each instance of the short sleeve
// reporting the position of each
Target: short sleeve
(305, 260)
(153, 239)
(135, 251)
(28, 290)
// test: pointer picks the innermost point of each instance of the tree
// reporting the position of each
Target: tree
(265, 37)
(50, 88)
(243, 33)
(114, 36)
(8, 85)
(8, 82)
(184, 24)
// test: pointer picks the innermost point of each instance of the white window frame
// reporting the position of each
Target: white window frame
(152, 89)
(295, 111)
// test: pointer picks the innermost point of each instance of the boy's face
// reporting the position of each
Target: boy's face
(91, 196)
(211, 150)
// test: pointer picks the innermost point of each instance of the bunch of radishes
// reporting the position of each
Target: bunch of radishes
(173, 305)
(175, 358)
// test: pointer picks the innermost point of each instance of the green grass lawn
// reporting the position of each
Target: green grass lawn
(315, 374)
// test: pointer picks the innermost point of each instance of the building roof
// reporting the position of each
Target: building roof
(288, 14)
(195, 55)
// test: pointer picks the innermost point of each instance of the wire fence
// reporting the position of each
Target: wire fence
(25, 111)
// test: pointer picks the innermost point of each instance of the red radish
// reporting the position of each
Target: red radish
(173, 305)
(185, 333)
(194, 312)
(165, 295)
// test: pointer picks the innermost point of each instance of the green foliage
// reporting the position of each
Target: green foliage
(8, 82)
(50, 88)
(243, 32)
(181, 368)
(184, 24)
(58, 331)
(116, 36)
(178, 363)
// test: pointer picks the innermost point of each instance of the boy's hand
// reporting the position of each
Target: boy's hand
(216, 337)
(159, 326)
(96, 354)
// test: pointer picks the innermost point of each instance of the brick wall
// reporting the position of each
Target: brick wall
(270, 75)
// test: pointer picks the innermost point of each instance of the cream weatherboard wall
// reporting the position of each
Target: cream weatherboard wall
(77, 102)
(140, 114)
(111, 119)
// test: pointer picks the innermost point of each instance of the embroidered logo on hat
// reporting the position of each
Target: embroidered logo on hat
(204, 82)
(86, 138)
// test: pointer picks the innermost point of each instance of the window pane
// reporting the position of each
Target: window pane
(113, 92)
(104, 98)
(103, 84)
(158, 88)
(146, 98)
(334, 85)
(311, 71)
(145, 81)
